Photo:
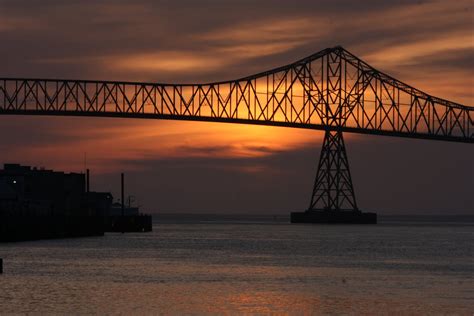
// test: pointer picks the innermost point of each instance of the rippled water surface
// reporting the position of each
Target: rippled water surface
(246, 268)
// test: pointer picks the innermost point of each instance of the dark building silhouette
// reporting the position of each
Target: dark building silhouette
(38, 204)
(31, 191)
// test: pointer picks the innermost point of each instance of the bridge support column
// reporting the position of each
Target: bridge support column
(333, 198)
(333, 189)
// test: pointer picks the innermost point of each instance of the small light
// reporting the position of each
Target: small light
(14, 181)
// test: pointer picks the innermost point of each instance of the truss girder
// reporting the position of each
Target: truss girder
(330, 90)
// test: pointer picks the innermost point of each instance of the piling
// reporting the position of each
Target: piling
(1, 265)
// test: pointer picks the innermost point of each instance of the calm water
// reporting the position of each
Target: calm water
(197, 268)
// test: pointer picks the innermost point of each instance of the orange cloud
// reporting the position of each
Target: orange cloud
(289, 30)
(112, 141)
(227, 46)
(167, 61)
(407, 52)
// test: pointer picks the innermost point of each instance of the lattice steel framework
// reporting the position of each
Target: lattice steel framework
(331, 90)
(333, 189)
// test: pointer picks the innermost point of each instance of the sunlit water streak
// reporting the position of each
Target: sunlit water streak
(246, 268)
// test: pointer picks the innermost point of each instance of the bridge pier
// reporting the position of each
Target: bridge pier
(333, 198)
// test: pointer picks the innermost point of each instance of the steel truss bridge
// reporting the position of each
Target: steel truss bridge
(331, 90)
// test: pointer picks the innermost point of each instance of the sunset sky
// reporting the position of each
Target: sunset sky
(213, 167)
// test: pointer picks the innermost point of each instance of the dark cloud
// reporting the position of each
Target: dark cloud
(448, 60)
(74, 36)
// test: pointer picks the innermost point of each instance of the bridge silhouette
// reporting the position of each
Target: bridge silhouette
(331, 90)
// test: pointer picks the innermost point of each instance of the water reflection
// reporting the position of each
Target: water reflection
(217, 268)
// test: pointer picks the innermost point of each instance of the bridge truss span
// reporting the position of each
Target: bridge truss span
(330, 90)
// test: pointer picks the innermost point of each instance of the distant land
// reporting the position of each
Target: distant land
(169, 217)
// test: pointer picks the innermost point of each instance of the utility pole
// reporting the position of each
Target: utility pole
(123, 203)
(87, 181)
